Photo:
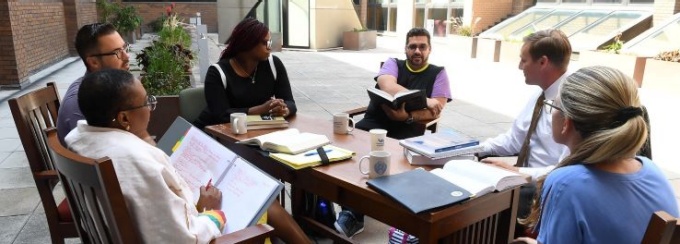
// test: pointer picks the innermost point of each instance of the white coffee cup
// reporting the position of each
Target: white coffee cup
(341, 123)
(378, 164)
(378, 139)
(239, 123)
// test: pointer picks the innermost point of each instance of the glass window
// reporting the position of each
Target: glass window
(642, 1)
(583, 19)
(606, 1)
(547, 1)
(665, 38)
(503, 30)
(573, 1)
(550, 21)
(597, 33)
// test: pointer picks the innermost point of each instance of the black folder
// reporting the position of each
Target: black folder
(419, 190)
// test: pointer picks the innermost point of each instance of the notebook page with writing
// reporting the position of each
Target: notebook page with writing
(198, 160)
(237, 198)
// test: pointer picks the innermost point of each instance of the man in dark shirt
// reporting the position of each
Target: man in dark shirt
(395, 76)
(99, 46)
(413, 73)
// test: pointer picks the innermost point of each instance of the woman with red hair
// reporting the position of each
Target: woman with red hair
(247, 78)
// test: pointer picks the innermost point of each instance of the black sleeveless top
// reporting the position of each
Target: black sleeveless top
(376, 118)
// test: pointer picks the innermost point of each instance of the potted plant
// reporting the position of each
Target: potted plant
(461, 36)
(610, 55)
(124, 18)
(661, 72)
(359, 39)
(166, 66)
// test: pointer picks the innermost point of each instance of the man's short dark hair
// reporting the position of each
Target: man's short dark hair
(551, 43)
(87, 39)
(418, 31)
(103, 94)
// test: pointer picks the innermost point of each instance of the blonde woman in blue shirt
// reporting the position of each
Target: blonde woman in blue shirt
(601, 192)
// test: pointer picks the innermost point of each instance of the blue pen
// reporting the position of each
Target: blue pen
(316, 153)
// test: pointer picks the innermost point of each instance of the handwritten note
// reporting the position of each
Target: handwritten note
(242, 188)
(199, 158)
(245, 189)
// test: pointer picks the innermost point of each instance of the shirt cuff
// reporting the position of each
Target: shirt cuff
(535, 173)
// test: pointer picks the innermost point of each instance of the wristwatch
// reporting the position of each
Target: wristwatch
(409, 120)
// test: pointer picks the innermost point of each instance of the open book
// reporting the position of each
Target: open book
(247, 192)
(479, 178)
(311, 158)
(414, 99)
(289, 141)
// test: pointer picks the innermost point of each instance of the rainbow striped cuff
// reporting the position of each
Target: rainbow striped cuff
(217, 217)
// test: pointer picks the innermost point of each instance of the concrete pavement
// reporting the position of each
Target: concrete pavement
(486, 98)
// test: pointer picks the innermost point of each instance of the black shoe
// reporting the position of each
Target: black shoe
(348, 225)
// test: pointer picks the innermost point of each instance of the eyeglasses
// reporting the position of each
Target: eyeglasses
(267, 43)
(549, 105)
(117, 52)
(413, 47)
(150, 102)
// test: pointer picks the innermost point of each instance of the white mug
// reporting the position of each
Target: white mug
(378, 164)
(378, 139)
(341, 123)
(239, 123)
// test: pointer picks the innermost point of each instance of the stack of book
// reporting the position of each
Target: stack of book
(265, 121)
(438, 148)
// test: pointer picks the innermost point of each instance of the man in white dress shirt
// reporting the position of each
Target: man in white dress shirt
(544, 61)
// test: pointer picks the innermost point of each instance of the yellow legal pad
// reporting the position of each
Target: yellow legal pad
(311, 158)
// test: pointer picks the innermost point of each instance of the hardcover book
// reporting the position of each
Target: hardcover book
(419, 190)
(265, 121)
(442, 144)
(414, 99)
(415, 158)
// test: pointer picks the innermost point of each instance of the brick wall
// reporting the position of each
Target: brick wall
(520, 5)
(8, 65)
(38, 38)
(664, 9)
(78, 13)
(490, 12)
(151, 11)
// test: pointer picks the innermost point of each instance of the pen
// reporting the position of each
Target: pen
(207, 186)
(316, 153)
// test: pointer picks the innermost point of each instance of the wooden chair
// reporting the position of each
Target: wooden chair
(98, 205)
(32, 113)
(662, 229)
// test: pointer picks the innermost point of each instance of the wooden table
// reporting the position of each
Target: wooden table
(487, 219)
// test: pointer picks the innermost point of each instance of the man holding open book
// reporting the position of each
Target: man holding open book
(395, 76)
(414, 73)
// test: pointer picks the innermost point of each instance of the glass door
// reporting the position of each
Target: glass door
(296, 23)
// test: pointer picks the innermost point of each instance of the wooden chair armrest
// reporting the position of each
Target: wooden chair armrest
(46, 175)
(356, 111)
(252, 234)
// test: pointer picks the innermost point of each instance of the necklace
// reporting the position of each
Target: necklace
(243, 70)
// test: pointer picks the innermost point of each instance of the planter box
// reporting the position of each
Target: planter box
(632, 66)
(359, 40)
(510, 52)
(167, 109)
(662, 75)
(461, 45)
(486, 49)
